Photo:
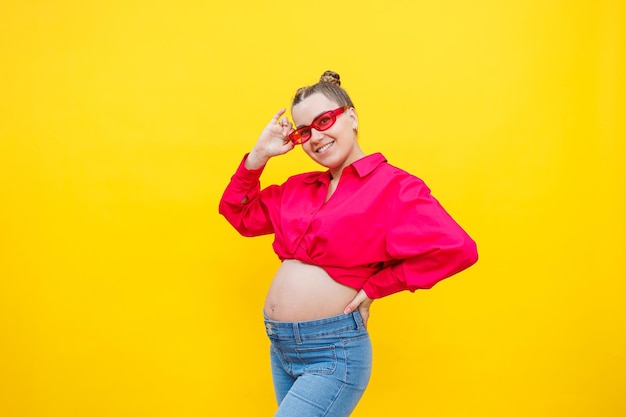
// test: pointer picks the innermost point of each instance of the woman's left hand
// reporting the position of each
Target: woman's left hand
(361, 302)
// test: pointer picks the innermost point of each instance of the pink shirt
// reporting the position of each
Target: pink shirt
(380, 231)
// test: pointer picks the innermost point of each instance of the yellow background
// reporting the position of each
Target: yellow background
(123, 293)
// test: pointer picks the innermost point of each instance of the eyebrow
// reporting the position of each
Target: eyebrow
(315, 118)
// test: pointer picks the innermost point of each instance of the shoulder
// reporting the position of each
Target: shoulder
(399, 179)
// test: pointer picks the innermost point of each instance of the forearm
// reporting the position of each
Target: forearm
(242, 205)
(423, 271)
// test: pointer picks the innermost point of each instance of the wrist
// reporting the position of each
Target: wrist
(255, 161)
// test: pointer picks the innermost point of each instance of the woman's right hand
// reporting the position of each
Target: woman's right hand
(273, 141)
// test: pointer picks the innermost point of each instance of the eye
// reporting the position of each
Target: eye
(324, 121)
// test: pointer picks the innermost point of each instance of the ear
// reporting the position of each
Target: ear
(354, 118)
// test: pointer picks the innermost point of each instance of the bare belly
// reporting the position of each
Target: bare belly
(302, 292)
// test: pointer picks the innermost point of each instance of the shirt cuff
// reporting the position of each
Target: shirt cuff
(245, 173)
(382, 284)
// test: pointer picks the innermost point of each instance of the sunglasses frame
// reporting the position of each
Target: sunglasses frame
(296, 135)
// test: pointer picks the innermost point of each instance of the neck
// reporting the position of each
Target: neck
(335, 173)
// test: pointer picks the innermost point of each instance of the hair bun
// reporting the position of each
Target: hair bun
(330, 77)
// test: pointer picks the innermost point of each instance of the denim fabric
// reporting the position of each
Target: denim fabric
(321, 367)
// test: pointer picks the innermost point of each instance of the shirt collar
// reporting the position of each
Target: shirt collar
(368, 163)
(362, 167)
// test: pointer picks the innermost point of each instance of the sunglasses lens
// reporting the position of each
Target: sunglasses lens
(305, 134)
(324, 122)
(300, 135)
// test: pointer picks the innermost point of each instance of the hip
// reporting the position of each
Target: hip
(323, 344)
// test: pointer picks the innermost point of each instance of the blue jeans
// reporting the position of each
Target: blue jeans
(320, 367)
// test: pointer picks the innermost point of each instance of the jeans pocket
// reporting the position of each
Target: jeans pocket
(318, 360)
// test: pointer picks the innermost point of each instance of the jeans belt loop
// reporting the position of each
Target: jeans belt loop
(296, 333)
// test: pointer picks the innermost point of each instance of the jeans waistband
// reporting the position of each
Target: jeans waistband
(311, 329)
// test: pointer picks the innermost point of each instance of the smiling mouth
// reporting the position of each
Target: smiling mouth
(325, 147)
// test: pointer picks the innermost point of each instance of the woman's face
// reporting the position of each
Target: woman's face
(336, 147)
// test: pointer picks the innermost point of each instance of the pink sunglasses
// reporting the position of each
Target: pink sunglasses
(322, 122)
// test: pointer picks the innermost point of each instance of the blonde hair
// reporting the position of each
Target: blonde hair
(329, 85)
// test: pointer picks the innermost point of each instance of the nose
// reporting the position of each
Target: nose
(316, 135)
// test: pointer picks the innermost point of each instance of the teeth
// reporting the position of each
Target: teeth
(323, 148)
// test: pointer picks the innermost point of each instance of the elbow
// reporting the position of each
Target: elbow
(466, 253)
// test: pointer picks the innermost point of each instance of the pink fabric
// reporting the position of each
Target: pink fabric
(381, 230)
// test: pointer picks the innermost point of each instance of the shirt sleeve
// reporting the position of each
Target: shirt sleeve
(245, 206)
(425, 243)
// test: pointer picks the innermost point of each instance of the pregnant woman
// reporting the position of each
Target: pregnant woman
(357, 230)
